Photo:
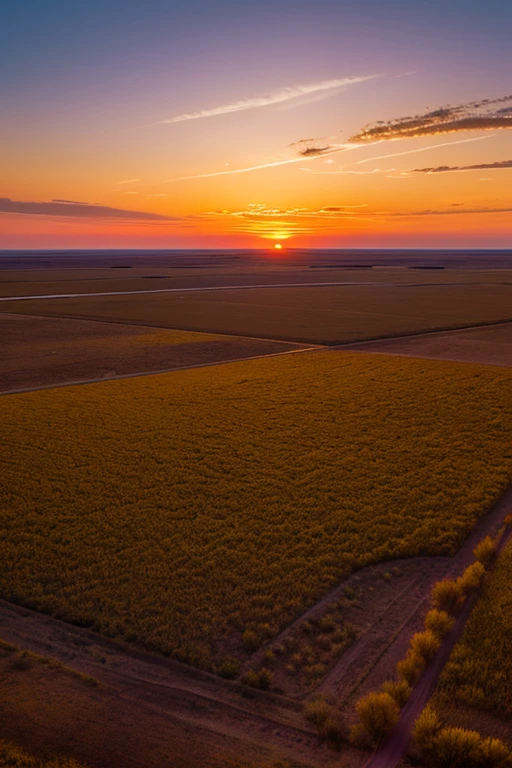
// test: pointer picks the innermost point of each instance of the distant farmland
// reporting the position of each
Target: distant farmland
(326, 314)
(188, 510)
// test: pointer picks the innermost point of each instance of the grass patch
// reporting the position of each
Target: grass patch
(12, 756)
(186, 510)
(479, 673)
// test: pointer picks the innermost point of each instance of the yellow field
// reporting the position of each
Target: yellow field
(479, 673)
(187, 508)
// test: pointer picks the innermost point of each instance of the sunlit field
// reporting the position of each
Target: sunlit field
(322, 314)
(479, 673)
(199, 512)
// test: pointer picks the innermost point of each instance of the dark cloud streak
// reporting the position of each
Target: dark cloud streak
(474, 116)
(499, 165)
(71, 209)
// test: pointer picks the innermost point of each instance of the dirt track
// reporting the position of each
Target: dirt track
(149, 706)
(393, 748)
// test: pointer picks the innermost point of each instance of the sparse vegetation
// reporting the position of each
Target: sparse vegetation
(446, 595)
(180, 509)
(442, 747)
(439, 622)
(479, 672)
(378, 714)
(12, 756)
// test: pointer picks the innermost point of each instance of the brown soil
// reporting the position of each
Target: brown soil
(41, 351)
(491, 345)
(148, 712)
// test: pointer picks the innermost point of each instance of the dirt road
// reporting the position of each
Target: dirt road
(393, 749)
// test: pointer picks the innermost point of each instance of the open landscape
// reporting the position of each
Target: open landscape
(277, 522)
(255, 384)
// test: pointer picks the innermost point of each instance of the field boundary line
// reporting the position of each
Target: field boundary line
(446, 329)
(118, 377)
(133, 324)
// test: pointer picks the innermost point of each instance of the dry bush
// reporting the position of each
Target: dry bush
(439, 622)
(485, 551)
(446, 595)
(261, 678)
(426, 644)
(411, 667)
(471, 579)
(399, 690)
(460, 748)
(425, 730)
(327, 720)
(378, 714)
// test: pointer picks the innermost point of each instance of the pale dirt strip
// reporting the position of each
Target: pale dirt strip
(187, 290)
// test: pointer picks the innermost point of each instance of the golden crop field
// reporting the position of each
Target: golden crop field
(185, 510)
(479, 672)
(326, 314)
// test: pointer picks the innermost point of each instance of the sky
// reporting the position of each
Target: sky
(334, 124)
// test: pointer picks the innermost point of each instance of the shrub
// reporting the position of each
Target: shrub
(326, 624)
(425, 730)
(317, 711)
(229, 668)
(446, 595)
(426, 644)
(327, 720)
(485, 551)
(411, 668)
(261, 679)
(399, 690)
(495, 754)
(457, 748)
(472, 577)
(439, 622)
(250, 640)
(378, 713)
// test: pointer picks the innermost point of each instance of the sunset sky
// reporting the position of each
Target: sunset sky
(339, 123)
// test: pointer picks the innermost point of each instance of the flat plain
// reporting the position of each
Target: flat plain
(491, 345)
(199, 512)
(326, 314)
(43, 351)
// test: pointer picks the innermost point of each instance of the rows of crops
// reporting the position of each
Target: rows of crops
(479, 672)
(188, 509)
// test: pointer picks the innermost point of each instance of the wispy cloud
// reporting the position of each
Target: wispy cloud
(129, 181)
(262, 211)
(480, 115)
(286, 216)
(352, 171)
(498, 165)
(274, 97)
(72, 209)
(271, 164)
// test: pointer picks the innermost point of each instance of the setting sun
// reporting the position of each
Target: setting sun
(278, 246)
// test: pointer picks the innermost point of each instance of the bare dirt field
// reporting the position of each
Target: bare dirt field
(147, 712)
(491, 345)
(327, 314)
(34, 282)
(41, 351)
